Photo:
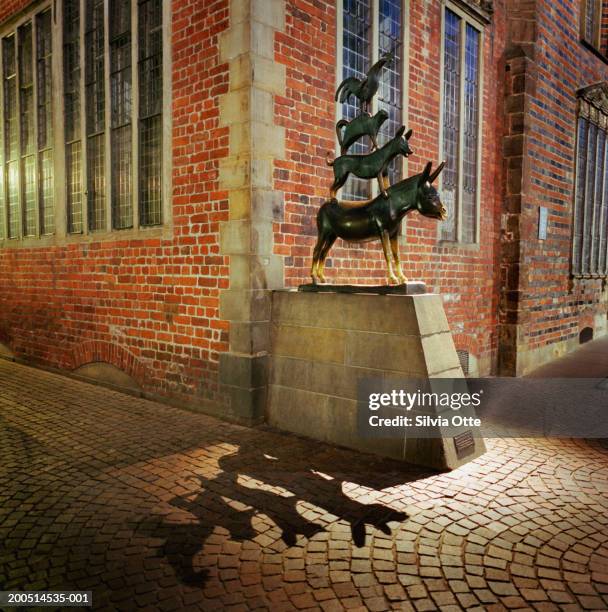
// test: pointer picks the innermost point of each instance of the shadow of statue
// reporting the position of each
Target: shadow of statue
(277, 485)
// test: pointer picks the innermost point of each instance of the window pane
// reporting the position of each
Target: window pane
(581, 174)
(11, 137)
(589, 198)
(45, 123)
(604, 216)
(26, 101)
(471, 136)
(451, 123)
(120, 84)
(391, 90)
(356, 62)
(597, 208)
(150, 111)
(71, 75)
(95, 105)
(591, 24)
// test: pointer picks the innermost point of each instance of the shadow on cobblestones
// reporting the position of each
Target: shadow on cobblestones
(254, 484)
(154, 508)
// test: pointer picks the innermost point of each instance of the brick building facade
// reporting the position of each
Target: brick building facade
(117, 260)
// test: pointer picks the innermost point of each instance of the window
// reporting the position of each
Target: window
(591, 17)
(108, 149)
(589, 239)
(461, 133)
(369, 29)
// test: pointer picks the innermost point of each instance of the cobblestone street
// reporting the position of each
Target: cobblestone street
(155, 508)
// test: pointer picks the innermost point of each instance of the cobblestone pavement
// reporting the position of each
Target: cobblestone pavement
(156, 508)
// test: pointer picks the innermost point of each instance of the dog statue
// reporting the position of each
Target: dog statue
(371, 165)
(363, 125)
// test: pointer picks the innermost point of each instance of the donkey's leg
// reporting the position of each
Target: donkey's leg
(387, 256)
(382, 185)
(329, 241)
(316, 256)
(395, 250)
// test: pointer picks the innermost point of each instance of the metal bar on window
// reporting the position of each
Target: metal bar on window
(597, 201)
(470, 133)
(108, 117)
(3, 200)
(44, 113)
(121, 126)
(11, 143)
(356, 60)
(589, 196)
(452, 42)
(150, 104)
(579, 203)
(72, 115)
(135, 154)
(390, 98)
(603, 228)
(95, 114)
(27, 131)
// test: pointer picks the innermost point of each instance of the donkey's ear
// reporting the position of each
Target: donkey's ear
(424, 177)
(400, 132)
(437, 172)
(409, 134)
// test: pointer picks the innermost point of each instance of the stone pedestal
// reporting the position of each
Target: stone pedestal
(323, 344)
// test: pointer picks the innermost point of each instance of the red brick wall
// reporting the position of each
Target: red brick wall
(465, 276)
(10, 7)
(554, 306)
(149, 305)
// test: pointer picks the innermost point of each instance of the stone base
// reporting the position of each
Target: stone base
(323, 344)
(409, 288)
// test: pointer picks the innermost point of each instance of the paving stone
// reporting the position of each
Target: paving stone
(171, 510)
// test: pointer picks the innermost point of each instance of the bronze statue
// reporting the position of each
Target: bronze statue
(377, 219)
(364, 89)
(363, 125)
(372, 165)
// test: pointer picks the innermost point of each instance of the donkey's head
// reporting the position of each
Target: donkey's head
(402, 142)
(428, 201)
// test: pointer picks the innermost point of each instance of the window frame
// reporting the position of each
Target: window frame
(374, 45)
(595, 44)
(61, 235)
(466, 19)
(592, 107)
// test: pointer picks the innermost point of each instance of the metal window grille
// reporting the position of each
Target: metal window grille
(26, 119)
(390, 96)
(11, 136)
(356, 61)
(113, 118)
(95, 114)
(451, 122)
(589, 241)
(471, 136)
(591, 21)
(120, 88)
(461, 122)
(150, 111)
(464, 358)
(71, 78)
(45, 122)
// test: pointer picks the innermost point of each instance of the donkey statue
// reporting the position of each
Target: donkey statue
(377, 219)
